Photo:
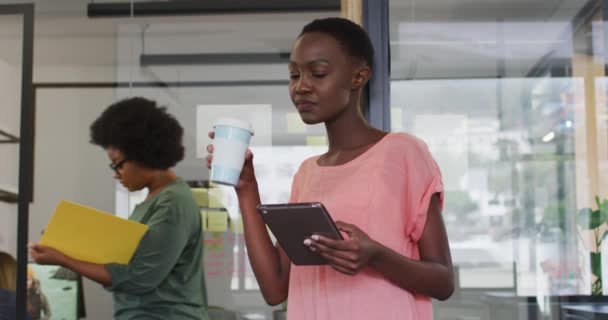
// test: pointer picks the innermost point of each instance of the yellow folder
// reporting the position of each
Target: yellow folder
(91, 235)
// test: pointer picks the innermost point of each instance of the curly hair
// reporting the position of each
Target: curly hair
(144, 132)
(353, 39)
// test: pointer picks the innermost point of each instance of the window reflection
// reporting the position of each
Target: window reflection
(508, 187)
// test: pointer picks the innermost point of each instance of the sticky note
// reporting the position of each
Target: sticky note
(295, 123)
(204, 219)
(214, 244)
(316, 141)
(217, 198)
(217, 221)
(92, 235)
(201, 196)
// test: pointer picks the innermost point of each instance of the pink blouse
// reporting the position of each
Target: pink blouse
(386, 192)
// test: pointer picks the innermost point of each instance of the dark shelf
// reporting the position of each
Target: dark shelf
(8, 196)
(6, 137)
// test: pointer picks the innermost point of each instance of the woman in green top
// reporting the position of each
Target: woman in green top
(164, 279)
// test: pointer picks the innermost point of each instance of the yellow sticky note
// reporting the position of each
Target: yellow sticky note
(237, 225)
(316, 141)
(217, 221)
(214, 243)
(216, 198)
(92, 235)
(295, 123)
(201, 196)
(204, 219)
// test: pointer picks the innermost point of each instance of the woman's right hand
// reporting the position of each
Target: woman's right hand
(247, 179)
(44, 255)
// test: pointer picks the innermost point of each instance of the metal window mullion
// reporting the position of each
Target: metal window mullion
(377, 101)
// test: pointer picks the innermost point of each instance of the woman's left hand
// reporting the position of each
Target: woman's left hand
(46, 255)
(348, 256)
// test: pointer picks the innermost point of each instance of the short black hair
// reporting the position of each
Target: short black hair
(350, 35)
(143, 131)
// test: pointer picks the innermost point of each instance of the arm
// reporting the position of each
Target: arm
(270, 264)
(156, 254)
(432, 275)
(95, 272)
(47, 255)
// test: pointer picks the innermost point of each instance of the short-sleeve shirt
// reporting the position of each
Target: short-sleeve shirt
(164, 279)
(386, 192)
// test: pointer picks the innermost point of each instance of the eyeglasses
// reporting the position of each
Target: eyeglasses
(117, 166)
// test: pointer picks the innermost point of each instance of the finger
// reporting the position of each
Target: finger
(342, 254)
(347, 245)
(34, 253)
(343, 270)
(210, 148)
(42, 249)
(248, 155)
(347, 230)
(349, 266)
(211, 134)
(346, 227)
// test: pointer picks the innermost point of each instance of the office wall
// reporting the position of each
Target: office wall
(10, 84)
(67, 166)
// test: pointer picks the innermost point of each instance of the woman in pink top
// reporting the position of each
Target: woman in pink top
(384, 189)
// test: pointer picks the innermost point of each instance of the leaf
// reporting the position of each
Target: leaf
(604, 236)
(582, 218)
(589, 219)
(596, 288)
(604, 210)
(596, 264)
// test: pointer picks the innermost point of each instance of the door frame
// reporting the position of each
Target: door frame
(26, 147)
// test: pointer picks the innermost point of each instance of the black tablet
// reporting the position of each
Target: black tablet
(292, 223)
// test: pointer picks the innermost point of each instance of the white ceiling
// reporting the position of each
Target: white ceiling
(481, 9)
(475, 38)
(429, 38)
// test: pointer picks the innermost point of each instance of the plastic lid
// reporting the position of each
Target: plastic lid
(233, 122)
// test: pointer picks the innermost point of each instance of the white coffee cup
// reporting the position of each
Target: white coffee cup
(232, 138)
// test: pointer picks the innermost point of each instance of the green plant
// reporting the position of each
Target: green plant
(592, 220)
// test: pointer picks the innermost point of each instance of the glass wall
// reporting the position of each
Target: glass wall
(508, 94)
(505, 94)
(202, 90)
(84, 64)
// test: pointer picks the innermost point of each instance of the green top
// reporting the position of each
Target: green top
(164, 279)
